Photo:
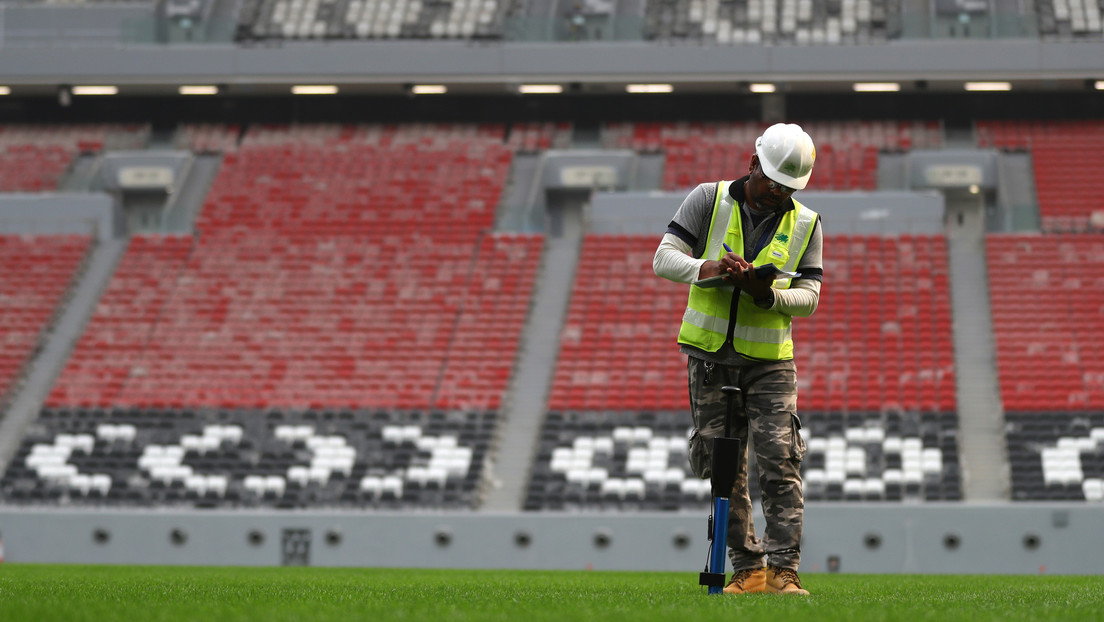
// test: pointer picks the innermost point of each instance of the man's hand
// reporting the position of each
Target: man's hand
(740, 272)
(711, 269)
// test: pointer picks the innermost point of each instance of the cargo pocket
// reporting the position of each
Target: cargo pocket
(797, 443)
(701, 456)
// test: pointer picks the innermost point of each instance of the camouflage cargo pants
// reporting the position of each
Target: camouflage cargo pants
(767, 409)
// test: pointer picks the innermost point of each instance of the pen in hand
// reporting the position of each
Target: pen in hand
(726, 247)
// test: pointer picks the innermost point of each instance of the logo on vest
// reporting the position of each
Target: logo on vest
(782, 237)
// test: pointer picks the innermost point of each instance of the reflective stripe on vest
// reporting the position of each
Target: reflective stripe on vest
(759, 333)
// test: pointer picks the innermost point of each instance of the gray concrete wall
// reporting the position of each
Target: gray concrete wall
(952, 168)
(1059, 538)
(58, 213)
(842, 212)
(174, 163)
(26, 61)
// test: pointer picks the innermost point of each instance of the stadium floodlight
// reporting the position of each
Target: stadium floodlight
(540, 89)
(5, 90)
(988, 86)
(761, 87)
(876, 87)
(314, 89)
(198, 89)
(649, 88)
(428, 89)
(95, 90)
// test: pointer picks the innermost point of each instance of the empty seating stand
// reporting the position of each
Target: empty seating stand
(1067, 156)
(877, 392)
(37, 272)
(371, 19)
(755, 22)
(208, 137)
(1048, 358)
(603, 460)
(882, 341)
(1051, 371)
(1056, 455)
(847, 151)
(242, 458)
(33, 158)
(881, 336)
(617, 348)
(1070, 19)
(116, 342)
(341, 266)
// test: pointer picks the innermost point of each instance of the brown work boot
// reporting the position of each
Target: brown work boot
(784, 581)
(747, 581)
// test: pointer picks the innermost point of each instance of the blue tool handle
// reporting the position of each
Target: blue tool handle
(720, 540)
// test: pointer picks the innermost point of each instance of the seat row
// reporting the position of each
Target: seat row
(236, 458)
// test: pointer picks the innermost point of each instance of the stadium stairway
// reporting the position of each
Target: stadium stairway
(1016, 176)
(42, 371)
(984, 463)
(186, 204)
(527, 395)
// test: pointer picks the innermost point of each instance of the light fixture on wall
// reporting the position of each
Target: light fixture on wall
(876, 87)
(314, 89)
(540, 89)
(95, 89)
(428, 89)
(649, 88)
(198, 89)
(988, 86)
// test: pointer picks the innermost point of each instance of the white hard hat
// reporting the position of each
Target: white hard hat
(786, 154)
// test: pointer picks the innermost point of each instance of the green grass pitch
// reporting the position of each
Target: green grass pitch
(42, 593)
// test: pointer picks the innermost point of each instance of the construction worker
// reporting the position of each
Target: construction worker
(739, 334)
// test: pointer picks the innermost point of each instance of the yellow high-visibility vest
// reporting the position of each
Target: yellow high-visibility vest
(758, 333)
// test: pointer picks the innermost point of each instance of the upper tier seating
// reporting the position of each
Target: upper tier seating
(208, 137)
(880, 339)
(33, 158)
(335, 266)
(1049, 356)
(757, 22)
(1068, 157)
(847, 151)
(1070, 19)
(242, 458)
(371, 19)
(37, 272)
